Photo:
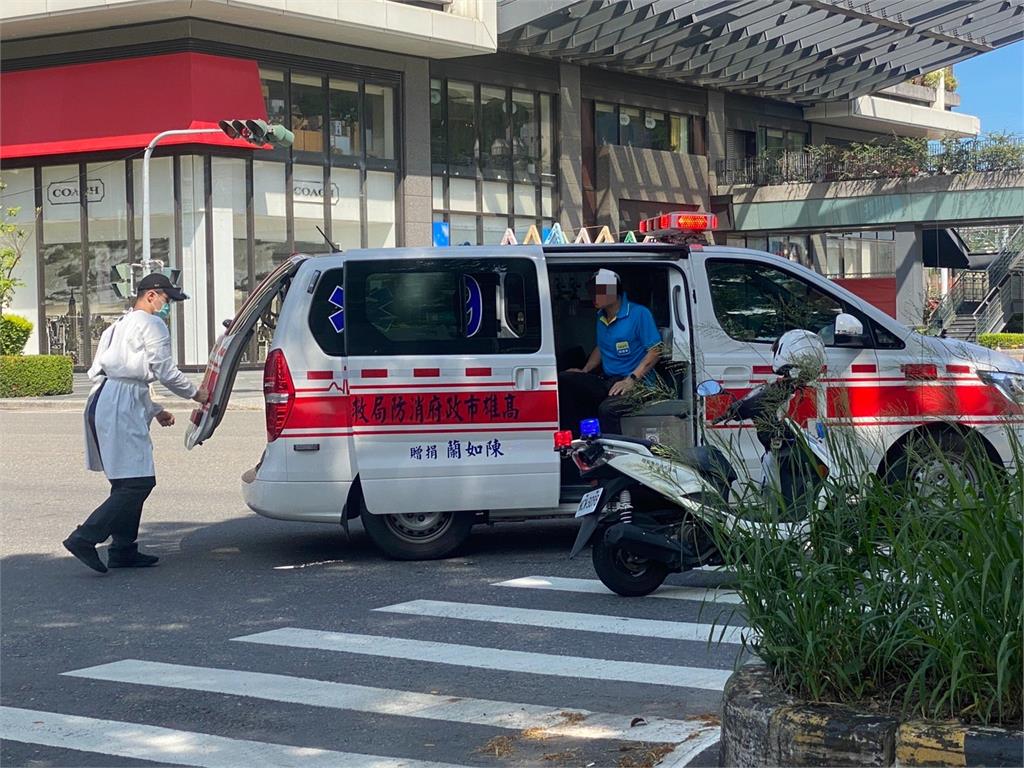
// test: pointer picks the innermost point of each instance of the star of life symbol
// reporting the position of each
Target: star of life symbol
(337, 299)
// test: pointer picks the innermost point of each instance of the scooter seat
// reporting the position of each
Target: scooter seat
(711, 462)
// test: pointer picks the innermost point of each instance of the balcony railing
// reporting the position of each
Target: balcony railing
(827, 163)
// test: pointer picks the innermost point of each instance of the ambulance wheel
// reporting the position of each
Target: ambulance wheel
(930, 464)
(623, 573)
(418, 535)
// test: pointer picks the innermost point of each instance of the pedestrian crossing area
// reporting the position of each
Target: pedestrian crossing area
(557, 729)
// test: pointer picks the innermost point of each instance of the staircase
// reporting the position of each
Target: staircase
(984, 301)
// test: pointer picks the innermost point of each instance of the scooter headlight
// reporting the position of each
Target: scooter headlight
(1011, 385)
(590, 428)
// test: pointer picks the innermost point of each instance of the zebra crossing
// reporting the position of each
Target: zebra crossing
(681, 738)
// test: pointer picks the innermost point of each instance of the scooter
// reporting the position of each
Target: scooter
(654, 512)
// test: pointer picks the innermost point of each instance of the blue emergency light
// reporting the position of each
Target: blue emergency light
(590, 428)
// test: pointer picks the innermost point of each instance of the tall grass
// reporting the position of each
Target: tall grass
(896, 596)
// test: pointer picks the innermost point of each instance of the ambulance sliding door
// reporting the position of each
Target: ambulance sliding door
(453, 386)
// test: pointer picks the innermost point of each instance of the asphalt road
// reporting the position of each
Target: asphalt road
(484, 675)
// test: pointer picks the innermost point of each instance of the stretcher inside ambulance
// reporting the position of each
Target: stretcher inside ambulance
(417, 388)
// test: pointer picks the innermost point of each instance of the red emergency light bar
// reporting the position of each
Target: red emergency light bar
(680, 221)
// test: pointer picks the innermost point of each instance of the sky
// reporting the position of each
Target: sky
(991, 87)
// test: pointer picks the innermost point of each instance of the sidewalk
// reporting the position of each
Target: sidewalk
(246, 395)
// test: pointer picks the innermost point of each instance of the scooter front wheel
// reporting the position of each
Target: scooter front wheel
(625, 573)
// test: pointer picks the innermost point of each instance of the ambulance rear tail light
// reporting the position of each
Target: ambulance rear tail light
(278, 392)
(680, 221)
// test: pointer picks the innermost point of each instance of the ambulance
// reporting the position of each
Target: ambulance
(417, 388)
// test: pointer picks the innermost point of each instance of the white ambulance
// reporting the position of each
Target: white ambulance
(417, 388)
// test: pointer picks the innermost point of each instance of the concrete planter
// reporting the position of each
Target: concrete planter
(763, 726)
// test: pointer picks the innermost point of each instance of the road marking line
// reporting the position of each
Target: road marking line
(554, 721)
(581, 622)
(593, 586)
(167, 745)
(494, 658)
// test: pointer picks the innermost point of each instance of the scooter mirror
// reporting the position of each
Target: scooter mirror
(709, 388)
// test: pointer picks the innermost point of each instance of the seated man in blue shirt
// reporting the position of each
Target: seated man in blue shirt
(628, 347)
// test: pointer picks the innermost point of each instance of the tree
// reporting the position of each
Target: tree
(13, 238)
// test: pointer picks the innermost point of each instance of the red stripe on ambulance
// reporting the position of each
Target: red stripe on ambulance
(915, 401)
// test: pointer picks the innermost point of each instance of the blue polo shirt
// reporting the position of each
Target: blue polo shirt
(626, 340)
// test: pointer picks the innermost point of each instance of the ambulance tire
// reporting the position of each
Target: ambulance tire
(421, 536)
(924, 462)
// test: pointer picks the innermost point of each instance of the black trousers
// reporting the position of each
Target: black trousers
(119, 515)
(585, 396)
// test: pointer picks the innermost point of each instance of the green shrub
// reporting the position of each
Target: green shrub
(1002, 340)
(895, 597)
(14, 333)
(34, 375)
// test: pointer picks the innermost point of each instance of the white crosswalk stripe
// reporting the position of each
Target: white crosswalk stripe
(549, 721)
(595, 587)
(494, 658)
(583, 622)
(167, 745)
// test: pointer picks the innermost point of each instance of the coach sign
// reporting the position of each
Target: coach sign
(66, 192)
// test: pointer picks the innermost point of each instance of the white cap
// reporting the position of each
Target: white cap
(606, 277)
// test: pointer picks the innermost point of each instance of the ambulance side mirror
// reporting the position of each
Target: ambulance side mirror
(709, 388)
(848, 329)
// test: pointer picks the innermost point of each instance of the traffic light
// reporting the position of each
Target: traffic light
(263, 132)
(121, 280)
(258, 132)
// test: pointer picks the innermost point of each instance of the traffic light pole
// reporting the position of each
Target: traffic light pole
(146, 252)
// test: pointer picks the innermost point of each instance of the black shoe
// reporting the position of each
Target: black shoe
(137, 560)
(85, 552)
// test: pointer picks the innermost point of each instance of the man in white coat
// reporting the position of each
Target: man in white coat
(132, 353)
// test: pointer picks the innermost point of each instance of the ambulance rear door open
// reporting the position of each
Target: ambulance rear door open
(452, 384)
(231, 345)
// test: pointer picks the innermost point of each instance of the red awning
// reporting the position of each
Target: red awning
(124, 103)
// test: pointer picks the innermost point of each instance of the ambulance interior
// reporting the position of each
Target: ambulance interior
(667, 414)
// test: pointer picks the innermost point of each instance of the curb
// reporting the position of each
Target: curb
(763, 726)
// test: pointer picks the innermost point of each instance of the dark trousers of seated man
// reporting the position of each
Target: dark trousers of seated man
(585, 396)
(119, 516)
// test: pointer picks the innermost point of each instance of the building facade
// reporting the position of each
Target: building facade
(414, 123)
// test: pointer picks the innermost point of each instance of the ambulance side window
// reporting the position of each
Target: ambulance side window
(442, 307)
(327, 313)
(758, 302)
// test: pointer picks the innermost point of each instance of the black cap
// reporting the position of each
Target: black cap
(157, 281)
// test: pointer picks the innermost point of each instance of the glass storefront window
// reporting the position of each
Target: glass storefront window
(494, 229)
(107, 210)
(380, 122)
(61, 255)
(380, 209)
(308, 195)
(18, 200)
(546, 135)
(346, 231)
(631, 128)
(229, 230)
(607, 123)
(308, 110)
(272, 83)
(462, 194)
(438, 129)
(461, 129)
(495, 197)
(524, 136)
(657, 128)
(679, 140)
(525, 200)
(343, 129)
(462, 229)
(494, 149)
(794, 141)
(270, 223)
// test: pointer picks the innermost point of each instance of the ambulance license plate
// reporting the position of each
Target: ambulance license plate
(588, 504)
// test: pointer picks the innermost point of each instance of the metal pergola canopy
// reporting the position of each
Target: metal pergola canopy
(800, 51)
